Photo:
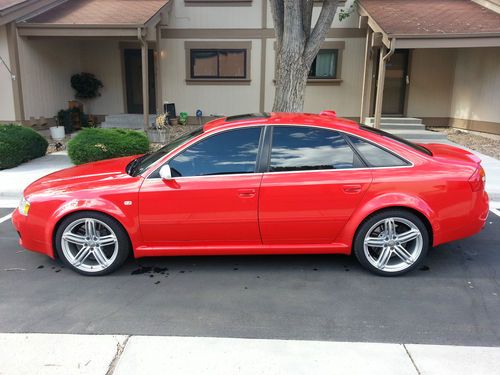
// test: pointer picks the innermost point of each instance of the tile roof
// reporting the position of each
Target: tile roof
(100, 12)
(432, 17)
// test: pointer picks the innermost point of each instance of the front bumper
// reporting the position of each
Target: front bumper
(31, 237)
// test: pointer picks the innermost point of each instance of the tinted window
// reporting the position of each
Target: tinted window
(396, 138)
(230, 152)
(374, 155)
(298, 148)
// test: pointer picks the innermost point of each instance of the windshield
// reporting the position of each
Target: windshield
(396, 138)
(139, 165)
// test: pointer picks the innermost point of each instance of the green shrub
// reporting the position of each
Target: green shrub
(19, 144)
(99, 144)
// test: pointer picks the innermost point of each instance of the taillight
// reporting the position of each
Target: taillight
(478, 180)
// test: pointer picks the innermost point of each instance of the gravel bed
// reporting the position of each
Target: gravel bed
(484, 145)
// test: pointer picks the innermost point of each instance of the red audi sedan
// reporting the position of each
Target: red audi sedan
(270, 183)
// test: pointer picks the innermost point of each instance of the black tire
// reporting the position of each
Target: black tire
(368, 224)
(121, 235)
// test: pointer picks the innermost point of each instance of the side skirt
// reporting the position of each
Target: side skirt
(333, 248)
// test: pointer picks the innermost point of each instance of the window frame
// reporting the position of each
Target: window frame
(245, 46)
(336, 53)
(331, 45)
(340, 133)
(266, 152)
(218, 51)
(155, 174)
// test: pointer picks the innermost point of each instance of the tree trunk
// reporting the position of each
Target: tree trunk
(296, 47)
(291, 79)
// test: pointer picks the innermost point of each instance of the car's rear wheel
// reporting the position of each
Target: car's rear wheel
(92, 243)
(392, 242)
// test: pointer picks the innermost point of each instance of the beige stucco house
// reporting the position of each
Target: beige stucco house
(438, 60)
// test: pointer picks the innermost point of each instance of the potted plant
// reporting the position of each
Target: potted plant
(57, 132)
(87, 87)
(159, 133)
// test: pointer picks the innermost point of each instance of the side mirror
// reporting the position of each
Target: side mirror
(165, 172)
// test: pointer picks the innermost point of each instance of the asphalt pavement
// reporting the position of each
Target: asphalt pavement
(453, 299)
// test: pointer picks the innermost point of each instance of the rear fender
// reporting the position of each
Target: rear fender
(387, 201)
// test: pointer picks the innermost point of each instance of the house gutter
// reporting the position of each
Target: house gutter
(145, 72)
(381, 81)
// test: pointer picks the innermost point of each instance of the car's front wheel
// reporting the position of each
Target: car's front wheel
(91, 243)
(392, 242)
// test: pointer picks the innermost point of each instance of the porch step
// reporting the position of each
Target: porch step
(394, 120)
(390, 127)
(126, 121)
(418, 134)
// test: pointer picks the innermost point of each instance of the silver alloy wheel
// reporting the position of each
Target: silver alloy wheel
(393, 244)
(89, 244)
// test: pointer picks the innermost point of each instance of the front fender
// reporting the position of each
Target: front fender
(387, 201)
(127, 216)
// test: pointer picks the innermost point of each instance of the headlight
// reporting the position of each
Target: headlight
(24, 207)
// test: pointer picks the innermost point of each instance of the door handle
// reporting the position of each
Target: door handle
(246, 193)
(351, 189)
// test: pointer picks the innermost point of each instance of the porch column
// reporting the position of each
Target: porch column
(380, 87)
(367, 78)
(145, 78)
(158, 80)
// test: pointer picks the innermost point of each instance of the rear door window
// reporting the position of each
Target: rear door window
(303, 148)
(376, 156)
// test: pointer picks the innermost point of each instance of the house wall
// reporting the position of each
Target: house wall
(103, 59)
(207, 16)
(47, 66)
(226, 98)
(476, 90)
(431, 82)
(210, 98)
(7, 110)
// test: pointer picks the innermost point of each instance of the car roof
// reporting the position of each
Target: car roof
(326, 119)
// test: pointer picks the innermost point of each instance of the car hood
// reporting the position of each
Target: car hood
(95, 172)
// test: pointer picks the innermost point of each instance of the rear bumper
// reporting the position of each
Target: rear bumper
(30, 236)
(474, 221)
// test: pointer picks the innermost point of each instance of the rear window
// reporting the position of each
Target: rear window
(414, 146)
(375, 156)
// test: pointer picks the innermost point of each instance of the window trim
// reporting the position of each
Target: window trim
(339, 46)
(345, 135)
(257, 160)
(265, 153)
(221, 45)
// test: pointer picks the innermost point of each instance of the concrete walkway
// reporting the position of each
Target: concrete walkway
(124, 355)
(14, 180)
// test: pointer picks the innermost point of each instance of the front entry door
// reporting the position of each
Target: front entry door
(133, 80)
(212, 198)
(396, 75)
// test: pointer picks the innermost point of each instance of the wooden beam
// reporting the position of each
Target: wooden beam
(145, 77)
(380, 87)
(367, 78)
(158, 80)
(377, 40)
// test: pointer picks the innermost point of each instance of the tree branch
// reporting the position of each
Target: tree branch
(278, 12)
(307, 9)
(293, 34)
(320, 29)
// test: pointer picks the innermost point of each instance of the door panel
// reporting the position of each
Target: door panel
(200, 210)
(395, 83)
(133, 80)
(309, 207)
